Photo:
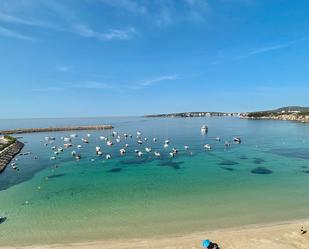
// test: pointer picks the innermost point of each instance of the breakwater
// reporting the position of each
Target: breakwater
(51, 129)
(7, 154)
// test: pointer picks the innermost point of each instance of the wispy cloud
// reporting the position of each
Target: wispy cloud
(14, 19)
(159, 79)
(111, 34)
(152, 81)
(272, 48)
(14, 34)
(93, 85)
(128, 5)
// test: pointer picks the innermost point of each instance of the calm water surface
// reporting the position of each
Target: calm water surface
(263, 179)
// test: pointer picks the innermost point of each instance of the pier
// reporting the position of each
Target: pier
(7, 154)
(52, 129)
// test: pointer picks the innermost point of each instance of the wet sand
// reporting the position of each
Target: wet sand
(275, 236)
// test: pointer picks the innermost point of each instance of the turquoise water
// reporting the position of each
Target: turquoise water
(263, 179)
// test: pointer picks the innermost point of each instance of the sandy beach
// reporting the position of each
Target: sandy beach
(275, 236)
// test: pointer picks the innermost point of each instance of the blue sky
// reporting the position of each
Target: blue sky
(133, 57)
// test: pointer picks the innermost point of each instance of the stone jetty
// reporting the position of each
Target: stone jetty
(52, 129)
(7, 154)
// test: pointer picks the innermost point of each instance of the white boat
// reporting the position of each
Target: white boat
(157, 154)
(108, 156)
(138, 133)
(122, 151)
(167, 141)
(171, 154)
(154, 139)
(67, 139)
(102, 137)
(186, 147)
(204, 128)
(73, 135)
(52, 158)
(126, 145)
(109, 143)
(237, 140)
(207, 146)
(139, 141)
(218, 139)
(97, 148)
(148, 149)
(79, 146)
(99, 153)
(139, 153)
(85, 141)
(88, 135)
(67, 145)
(118, 140)
(73, 153)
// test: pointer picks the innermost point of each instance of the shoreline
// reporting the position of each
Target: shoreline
(53, 129)
(277, 235)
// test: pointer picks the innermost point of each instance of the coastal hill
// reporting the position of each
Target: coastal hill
(292, 113)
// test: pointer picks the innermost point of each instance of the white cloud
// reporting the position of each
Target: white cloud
(111, 34)
(14, 34)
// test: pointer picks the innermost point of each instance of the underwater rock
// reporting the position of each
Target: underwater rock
(302, 153)
(261, 171)
(55, 176)
(258, 160)
(174, 165)
(227, 168)
(114, 170)
(2, 219)
(228, 162)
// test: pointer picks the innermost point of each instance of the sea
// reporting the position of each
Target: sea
(264, 179)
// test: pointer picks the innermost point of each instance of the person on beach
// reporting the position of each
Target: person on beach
(210, 245)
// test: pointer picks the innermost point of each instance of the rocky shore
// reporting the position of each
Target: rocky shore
(7, 154)
(51, 129)
(285, 117)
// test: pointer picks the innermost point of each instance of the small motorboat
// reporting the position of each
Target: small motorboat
(85, 141)
(108, 156)
(148, 149)
(139, 142)
(186, 147)
(237, 140)
(157, 154)
(122, 151)
(109, 143)
(207, 146)
(140, 153)
(204, 129)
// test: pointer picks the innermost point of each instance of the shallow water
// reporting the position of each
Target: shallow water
(264, 179)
